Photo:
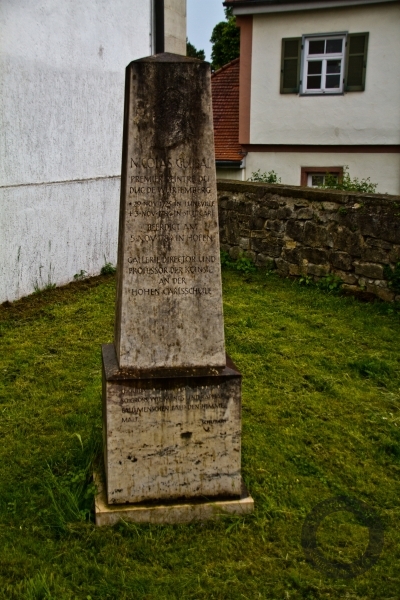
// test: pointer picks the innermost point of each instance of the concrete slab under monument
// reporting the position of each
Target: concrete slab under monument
(171, 397)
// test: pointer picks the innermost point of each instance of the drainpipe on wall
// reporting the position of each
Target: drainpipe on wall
(159, 26)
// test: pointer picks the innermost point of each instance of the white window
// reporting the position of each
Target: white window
(323, 64)
(318, 179)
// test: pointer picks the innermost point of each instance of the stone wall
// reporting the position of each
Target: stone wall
(306, 231)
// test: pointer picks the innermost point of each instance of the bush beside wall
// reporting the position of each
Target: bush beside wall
(313, 232)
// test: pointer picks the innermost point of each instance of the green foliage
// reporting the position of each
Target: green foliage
(393, 277)
(328, 283)
(270, 177)
(193, 52)
(81, 275)
(371, 367)
(108, 269)
(71, 493)
(225, 39)
(320, 414)
(39, 290)
(349, 184)
(243, 264)
(306, 280)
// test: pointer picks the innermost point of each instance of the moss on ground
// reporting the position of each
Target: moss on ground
(321, 417)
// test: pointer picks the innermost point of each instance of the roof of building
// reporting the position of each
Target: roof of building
(225, 99)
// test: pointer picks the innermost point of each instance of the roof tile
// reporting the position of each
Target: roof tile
(225, 99)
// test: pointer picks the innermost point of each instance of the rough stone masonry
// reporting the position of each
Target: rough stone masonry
(171, 399)
(314, 232)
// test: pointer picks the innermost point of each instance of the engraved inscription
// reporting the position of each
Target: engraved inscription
(169, 271)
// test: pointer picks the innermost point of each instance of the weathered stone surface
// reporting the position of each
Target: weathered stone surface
(294, 269)
(330, 206)
(269, 203)
(381, 226)
(275, 225)
(169, 438)
(257, 223)
(346, 240)
(394, 255)
(346, 229)
(293, 255)
(374, 254)
(369, 270)
(348, 278)
(181, 512)
(284, 212)
(304, 213)
(266, 213)
(315, 235)
(341, 260)
(265, 261)
(315, 255)
(268, 246)
(282, 267)
(169, 300)
(373, 242)
(235, 252)
(295, 230)
(381, 292)
(318, 270)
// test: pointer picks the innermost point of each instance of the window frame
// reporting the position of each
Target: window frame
(304, 62)
(306, 171)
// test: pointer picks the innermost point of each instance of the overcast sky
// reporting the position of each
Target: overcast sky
(202, 16)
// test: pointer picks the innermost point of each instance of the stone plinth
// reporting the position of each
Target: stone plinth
(169, 306)
(172, 436)
(168, 513)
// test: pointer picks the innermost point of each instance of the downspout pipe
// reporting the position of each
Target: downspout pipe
(159, 26)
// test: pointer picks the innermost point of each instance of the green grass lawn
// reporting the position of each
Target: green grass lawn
(321, 417)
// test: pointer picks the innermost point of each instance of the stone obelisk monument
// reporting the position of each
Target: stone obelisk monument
(171, 397)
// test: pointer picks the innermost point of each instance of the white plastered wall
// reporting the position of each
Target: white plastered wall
(237, 174)
(369, 117)
(62, 70)
(383, 169)
(175, 26)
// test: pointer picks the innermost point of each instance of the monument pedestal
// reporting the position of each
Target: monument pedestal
(169, 436)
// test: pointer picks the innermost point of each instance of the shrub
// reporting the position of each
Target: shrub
(349, 184)
(393, 277)
(270, 177)
(108, 269)
(243, 264)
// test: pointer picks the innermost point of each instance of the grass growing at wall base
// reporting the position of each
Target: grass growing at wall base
(321, 417)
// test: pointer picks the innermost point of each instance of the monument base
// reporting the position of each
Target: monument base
(170, 435)
(174, 513)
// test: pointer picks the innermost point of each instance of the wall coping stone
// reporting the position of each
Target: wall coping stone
(307, 193)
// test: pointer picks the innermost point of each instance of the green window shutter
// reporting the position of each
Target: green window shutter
(290, 65)
(356, 62)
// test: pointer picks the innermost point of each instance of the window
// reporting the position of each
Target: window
(315, 176)
(324, 64)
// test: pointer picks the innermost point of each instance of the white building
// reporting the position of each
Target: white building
(62, 70)
(320, 89)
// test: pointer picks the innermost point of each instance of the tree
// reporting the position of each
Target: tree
(193, 52)
(225, 39)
